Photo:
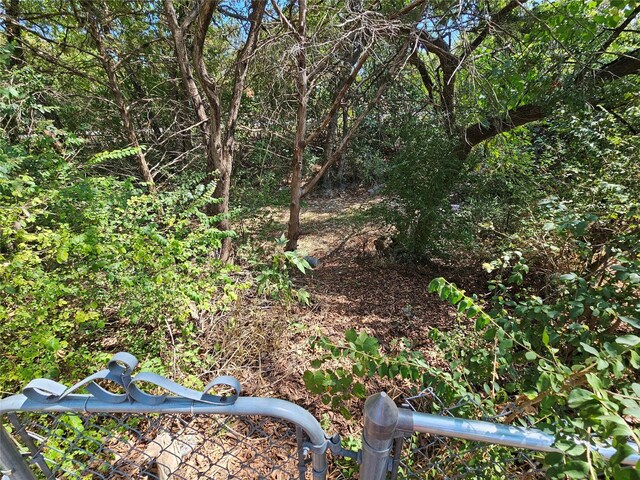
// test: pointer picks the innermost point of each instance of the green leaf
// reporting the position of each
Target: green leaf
(632, 412)
(482, 321)
(62, 255)
(436, 284)
(545, 337)
(616, 425)
(358, 390)
(634, 359)
(576, 469)
(589, 349)
(358, 369)
(568, 277)
(370, 345)
(351, 335)
(628, 340)
(630, 321)
(579, 397)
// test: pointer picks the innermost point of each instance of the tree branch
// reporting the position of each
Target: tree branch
(626, 64)
(482, 131)
(242, 66)
(494, 20)
(186, 74)
(394, 66)
(417, 62)
(337, 101)
(616, 33)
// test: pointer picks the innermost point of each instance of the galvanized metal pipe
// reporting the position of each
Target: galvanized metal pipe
(380, 419)
(12, 465)
(270, 407)
(486, 432)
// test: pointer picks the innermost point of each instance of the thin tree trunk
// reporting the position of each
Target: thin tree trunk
(345, 131)
(14, 32)
(329, 146)
(186, 74)
(293, 232)
(219, 145)
(110, 69)
(240, 76)
(391, 70)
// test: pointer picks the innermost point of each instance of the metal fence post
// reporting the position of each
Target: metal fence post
(12, 465)
(380, 420)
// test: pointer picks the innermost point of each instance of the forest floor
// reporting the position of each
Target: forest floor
(353, 287)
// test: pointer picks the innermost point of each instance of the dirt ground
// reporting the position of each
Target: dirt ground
(353, 287)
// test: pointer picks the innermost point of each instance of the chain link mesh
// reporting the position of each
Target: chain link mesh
(424, 456)
(158, 446)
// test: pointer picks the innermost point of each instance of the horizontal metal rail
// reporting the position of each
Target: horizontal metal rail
(486, 432)
(243, 406)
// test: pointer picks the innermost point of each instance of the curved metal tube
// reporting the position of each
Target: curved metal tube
(271, 407)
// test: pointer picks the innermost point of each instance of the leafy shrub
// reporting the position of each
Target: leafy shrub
(92, 264)
(274, 279)
(568, 361)
(558, 334)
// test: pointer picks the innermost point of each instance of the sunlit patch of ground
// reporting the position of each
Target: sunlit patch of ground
(353, 287)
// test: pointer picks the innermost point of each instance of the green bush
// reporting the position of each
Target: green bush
(558, 333)
(92, 264)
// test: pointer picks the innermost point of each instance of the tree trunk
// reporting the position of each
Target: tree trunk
(329, 146)
(345, 131)
(222, 191)
(626, 64)
(219, 145)
(186, 74)
(293, 232)
(109, 67)
(14, 32)
(391, 70)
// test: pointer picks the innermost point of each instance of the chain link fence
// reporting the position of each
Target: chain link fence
(159, 446)
(434, 457)
(426, 456)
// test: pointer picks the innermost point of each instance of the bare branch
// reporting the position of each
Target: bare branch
(493, 21)
(392, 69)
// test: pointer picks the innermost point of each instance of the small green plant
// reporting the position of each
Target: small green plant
(570, 381)
(101, 157)
(586, 391)
(361, 357)
(274, 279)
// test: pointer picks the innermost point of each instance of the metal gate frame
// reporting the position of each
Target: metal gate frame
(385, 424)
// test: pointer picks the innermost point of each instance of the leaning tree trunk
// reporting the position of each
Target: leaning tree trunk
(329, 147)
(222, 192)
(13, 31)
(109, 67)
(219, 145)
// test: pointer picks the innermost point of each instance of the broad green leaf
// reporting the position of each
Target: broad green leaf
(579, 396)
(628, 340)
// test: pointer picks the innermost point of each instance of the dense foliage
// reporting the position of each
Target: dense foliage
(500, 135)
(557, 340)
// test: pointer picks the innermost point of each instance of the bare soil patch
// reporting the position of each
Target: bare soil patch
(352, 288)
